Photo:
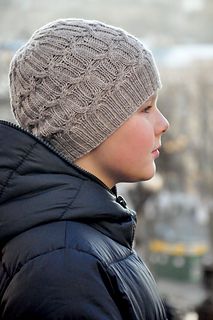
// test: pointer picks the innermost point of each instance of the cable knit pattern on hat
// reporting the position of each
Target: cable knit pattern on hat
(76, 81)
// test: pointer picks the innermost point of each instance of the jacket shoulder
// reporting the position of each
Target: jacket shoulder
(88, 239)
(44, 239)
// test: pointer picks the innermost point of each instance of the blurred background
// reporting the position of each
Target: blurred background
(175, 209)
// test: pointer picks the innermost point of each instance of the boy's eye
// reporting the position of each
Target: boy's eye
(147, 109)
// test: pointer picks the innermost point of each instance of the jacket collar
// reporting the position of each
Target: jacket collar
(38, 185)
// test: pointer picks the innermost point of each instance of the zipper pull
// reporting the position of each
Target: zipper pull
(121, 201)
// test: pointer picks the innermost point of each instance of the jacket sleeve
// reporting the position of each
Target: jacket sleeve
(63, 284)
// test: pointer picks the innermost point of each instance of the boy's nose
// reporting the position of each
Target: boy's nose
(163, 124)
(166, 124)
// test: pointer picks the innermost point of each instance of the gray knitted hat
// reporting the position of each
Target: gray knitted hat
(76, 81)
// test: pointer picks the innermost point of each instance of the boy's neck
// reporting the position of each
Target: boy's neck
(92, 167)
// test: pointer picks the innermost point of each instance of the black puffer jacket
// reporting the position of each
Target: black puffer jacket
(66, 241)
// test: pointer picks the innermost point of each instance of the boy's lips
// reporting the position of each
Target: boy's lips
(156, 152)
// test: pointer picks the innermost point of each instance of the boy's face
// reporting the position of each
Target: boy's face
(129, 154)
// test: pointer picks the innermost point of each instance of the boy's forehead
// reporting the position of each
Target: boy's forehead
(152, 98)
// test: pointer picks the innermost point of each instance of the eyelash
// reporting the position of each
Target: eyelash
(146, 110)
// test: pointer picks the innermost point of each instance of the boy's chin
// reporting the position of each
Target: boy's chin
(143, 177)
(149, 174)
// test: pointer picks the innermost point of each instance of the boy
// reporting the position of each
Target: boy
(84, 94)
